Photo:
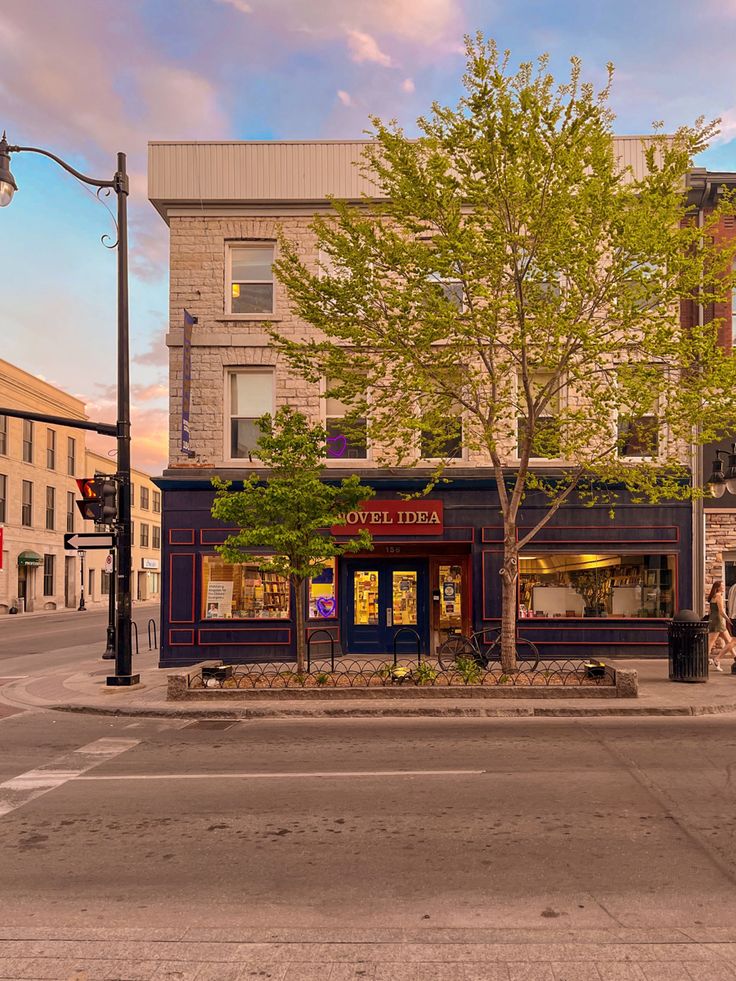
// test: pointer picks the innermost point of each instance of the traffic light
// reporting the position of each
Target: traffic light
(99, 499)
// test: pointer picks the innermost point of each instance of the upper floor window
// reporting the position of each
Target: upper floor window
(70, 510)
(51, 449)
(50, 508)
(451, 289)
(26, 506)
(638, 438)
(442, 439)
(71, 456)
(144, 535)
(3, 496)
(250, 278)
(27, 441)
(132, 495)
(250, 395)
(3, 435)
(344, 441)
(144, 498)
(156, 536)
(157, 502)
(545, 441)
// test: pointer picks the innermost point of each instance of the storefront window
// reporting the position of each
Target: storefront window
(242, 592)
(366, 598)
(451, 588)
(322, 599)
(404, 599)
(596, 585)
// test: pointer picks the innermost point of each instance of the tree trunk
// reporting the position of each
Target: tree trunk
(509, 579)
(301, 641)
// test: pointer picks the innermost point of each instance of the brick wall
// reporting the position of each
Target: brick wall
(720, 537)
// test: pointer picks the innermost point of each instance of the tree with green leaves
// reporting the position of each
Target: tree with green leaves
(289, 510)
(513, 283)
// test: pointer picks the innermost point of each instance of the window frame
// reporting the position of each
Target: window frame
(3, 497)
(639, 457)
(3, 435)
(49, 574)
(284, 617)
(145, 499)
(27, 445)
(143, 535)
(70, 500)
(71, 456)
(341, 461)
(242, 461)
(26, 485)
(50, 515)
(50, 449)
(231, 246)
(156, 502)
(156, 537)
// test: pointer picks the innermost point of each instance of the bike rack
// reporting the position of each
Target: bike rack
(409, 630)
(152, 623)
(310, 638)
(134, 625)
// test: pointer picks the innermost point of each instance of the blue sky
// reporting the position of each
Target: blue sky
(86, 78)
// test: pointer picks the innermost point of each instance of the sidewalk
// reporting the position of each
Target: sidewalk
(83, 689)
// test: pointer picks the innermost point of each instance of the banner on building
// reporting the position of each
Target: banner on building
(186, 380)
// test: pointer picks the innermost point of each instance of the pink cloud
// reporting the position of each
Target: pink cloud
(364, 47)
(240, 5)
(344, 97)
(408, 85)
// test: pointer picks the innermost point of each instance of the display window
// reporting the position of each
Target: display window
(451, 596)
(242, 592)
(365, 591)
(322, 595)
(404, 590)
(597, 585)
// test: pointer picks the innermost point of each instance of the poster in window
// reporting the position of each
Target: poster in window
(219, 601)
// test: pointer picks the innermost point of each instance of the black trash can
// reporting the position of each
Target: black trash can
(687, 635)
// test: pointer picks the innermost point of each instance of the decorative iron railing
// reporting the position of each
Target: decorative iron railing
(362, 672)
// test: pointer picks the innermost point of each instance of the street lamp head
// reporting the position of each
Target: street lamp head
(8, 187)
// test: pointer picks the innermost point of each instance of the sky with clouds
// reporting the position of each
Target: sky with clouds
(86, 78)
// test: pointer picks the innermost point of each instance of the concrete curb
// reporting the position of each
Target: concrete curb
(347, 711)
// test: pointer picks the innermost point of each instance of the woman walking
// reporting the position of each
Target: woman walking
(717, 626)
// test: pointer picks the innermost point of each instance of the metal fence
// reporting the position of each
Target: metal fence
(381, 673)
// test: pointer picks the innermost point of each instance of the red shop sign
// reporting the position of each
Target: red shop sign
(394, 518)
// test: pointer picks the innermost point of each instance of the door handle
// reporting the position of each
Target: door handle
(389, 617)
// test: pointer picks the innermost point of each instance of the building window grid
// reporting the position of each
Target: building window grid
(27, 441)
(51, 449)
(50, 508)
(26, 508)
(71, 456)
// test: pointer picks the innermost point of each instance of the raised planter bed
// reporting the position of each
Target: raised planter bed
(210, 682)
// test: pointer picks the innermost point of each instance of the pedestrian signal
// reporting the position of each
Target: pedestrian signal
(99, 499)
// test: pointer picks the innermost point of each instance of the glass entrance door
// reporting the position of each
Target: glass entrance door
(383, 597)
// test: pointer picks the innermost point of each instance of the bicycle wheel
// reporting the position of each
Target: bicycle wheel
(527, 655)
(453, 648)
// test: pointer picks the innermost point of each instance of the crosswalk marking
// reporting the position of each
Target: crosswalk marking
(33, 783)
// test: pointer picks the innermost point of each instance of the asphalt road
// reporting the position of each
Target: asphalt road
(55, 633)
(367, 823)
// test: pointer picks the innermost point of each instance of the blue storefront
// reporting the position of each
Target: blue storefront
(591, 583)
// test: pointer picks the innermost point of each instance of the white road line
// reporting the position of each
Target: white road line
(285, 776)
(33, 783)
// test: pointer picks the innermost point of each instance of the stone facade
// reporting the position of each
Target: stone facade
(720, 538)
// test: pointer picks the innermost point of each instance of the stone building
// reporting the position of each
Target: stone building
(435, 563)
(38, 464)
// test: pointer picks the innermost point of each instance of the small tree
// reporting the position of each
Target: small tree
(513, 281)
(289, 510)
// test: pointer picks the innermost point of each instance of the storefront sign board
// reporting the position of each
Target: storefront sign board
(394, 518)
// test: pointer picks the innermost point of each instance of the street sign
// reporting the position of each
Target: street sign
(108, 563)
(92, 540)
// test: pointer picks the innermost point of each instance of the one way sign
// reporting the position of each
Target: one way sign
(92, 540)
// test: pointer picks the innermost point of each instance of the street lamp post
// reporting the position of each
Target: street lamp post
(119, 183)
(81, 606)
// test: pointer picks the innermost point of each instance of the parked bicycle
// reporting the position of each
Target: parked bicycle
(483, 647)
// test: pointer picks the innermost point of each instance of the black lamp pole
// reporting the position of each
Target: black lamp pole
(119, 183)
